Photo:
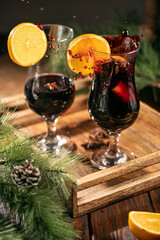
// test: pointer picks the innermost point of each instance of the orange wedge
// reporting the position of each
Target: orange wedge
(79, 55)
(144, 225)
(119, 58)
(27, 44)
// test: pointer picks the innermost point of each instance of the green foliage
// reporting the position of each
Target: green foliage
(40, 212)
(8, 231)
(147, 66)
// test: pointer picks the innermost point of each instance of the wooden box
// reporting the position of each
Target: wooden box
(95, 188)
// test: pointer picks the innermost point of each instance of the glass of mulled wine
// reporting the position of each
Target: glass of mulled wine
(49, 88)
(113, 101)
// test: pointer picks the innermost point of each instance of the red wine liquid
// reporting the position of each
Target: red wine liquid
(113, 101)
(50, 95)
(123, 43)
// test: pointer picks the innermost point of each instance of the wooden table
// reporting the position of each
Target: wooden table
(143, 138)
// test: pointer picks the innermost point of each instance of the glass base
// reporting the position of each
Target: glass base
(102, 160)
(59, 143)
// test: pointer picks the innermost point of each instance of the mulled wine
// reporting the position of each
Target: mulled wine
(113, 101)
(50, 95)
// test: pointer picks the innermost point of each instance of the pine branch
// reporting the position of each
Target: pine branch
(59, 170)
(41, 211)
(42, 215)
(8, 231)
(6, 120)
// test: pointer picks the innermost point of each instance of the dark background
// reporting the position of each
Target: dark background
(83, 15)
(85, 12)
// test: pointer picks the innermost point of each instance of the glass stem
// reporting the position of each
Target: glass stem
(113, 144)
(51, 129)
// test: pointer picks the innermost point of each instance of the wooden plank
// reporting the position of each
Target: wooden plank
(19, 102)
(138, 143)
(27, 117)
(143, 136)
(83, 83)
(104, 196)
(155, 197)
(81, 224)
(117, 171)
(135, 140)
(112, 222)
(64, 122)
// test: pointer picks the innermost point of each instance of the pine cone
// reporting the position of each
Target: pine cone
(26, 175)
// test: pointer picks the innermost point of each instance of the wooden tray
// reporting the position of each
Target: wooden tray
(95, 188)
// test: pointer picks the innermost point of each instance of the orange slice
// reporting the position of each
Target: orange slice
(119, 58)
(79, 52)
(145, 225)
(27, 44)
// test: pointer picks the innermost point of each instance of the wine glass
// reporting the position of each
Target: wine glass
(113, 101)
(49, 88)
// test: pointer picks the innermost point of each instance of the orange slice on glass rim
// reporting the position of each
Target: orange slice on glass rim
(79, 57)
(27, 44)
(144, 225)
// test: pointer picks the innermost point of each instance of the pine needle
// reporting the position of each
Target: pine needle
(41, 211)
(8, 231)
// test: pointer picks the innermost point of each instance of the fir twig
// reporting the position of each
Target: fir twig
(41, 211)
(8, 231)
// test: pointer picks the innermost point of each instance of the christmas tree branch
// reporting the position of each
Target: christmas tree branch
(8, 231)
(40, 212)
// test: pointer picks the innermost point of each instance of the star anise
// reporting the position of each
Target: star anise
(92, 144)
(98, 134)
(51, 86)
(96, 139)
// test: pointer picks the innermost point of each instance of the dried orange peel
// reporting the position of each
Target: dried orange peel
(79, 57)
(144, 225)
(27, 44)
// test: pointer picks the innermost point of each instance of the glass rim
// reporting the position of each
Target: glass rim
(60, 25)
(119, 54)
